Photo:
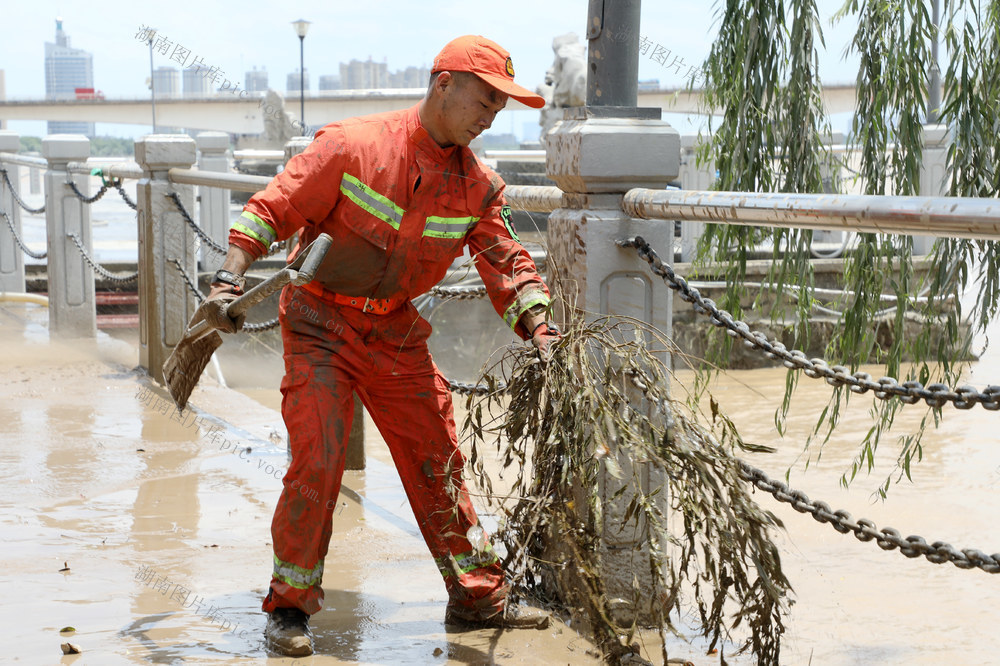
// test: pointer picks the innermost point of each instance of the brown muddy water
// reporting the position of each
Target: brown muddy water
(150, 536)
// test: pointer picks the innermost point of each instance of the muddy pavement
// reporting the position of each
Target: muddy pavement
(149, 532)
(150, 535)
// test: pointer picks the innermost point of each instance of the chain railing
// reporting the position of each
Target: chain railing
(465, 388)
(17, 198)
(205, 238)
(83, 197)
(20, 243)
(97, 268)
(887, 538)
(909, 392)
(459, 293)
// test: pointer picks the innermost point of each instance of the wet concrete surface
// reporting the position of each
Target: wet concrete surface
(164, 527)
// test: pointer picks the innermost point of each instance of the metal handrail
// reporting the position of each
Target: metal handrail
(230, 181)
(122, 170)
(954, 217)
(24, 160)
(257, 154)
(534, 198)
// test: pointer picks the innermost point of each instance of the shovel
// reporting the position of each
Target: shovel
(187, 361)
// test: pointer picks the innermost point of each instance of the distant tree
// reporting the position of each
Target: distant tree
(31, 144)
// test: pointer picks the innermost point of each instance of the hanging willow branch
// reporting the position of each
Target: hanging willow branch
(764, 82)
(597, 452)
(763, 76)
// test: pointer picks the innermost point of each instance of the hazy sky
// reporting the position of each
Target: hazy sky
(235, 37)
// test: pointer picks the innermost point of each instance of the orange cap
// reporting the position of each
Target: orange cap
(487, 60)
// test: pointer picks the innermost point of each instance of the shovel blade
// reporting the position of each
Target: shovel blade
(185, 364)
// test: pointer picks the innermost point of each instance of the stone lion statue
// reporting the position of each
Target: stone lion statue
(565, 81)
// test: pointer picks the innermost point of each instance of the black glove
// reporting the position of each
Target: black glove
(211, 311)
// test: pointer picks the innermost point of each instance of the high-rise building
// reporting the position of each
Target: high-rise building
(195, 83)
(411, 77)
(293, 82)
(256, 80)
(66, 70)
(363, 74)
(329, 82)
(167, 82)
(3, 96)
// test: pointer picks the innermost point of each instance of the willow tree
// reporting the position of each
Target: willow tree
(762, 74)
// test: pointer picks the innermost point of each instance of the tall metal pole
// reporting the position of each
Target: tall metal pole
(613, 53)
(934, 85)
(152, 81)
(302, 82)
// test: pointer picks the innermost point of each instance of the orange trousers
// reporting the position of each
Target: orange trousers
(332, 351)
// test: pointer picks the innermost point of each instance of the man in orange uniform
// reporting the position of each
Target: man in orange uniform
(401, 194)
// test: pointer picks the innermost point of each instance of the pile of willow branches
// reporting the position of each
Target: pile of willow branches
(594, 450)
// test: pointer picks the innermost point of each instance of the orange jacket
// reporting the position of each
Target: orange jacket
(400, 209)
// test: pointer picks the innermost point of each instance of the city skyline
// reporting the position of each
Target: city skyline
(259, 36)
(67, 70)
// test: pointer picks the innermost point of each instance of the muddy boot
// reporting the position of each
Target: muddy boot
(512, 617)
(288, 632)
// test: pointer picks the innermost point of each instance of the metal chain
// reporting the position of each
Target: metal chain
(250, 328)
(865, 530)
(117, 184)
(83, 197)
(262, 326)
(187, 279)
(20, 243)
(460, 293)
(97, 268)
(13, 192)
(464, 388)
(276, 248)
(205, 238)
(909, 392)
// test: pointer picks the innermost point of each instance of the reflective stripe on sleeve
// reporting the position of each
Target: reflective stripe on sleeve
(521, 305)
(448, 227)
(378, 205)
(255, 228)
(296, 576)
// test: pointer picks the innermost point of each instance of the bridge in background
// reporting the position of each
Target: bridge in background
(246, 115)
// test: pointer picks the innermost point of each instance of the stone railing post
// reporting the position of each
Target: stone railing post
(165, 302)
(596, 154)
(72, 305)
(213, 211)
(933, 175)
(355, 458)
(11, 256)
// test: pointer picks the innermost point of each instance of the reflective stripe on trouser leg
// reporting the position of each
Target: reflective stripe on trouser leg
(410, 403)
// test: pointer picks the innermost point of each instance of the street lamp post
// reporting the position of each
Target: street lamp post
(152, 78)
(301, 27)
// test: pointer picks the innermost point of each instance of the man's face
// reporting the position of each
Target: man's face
(468, 108)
